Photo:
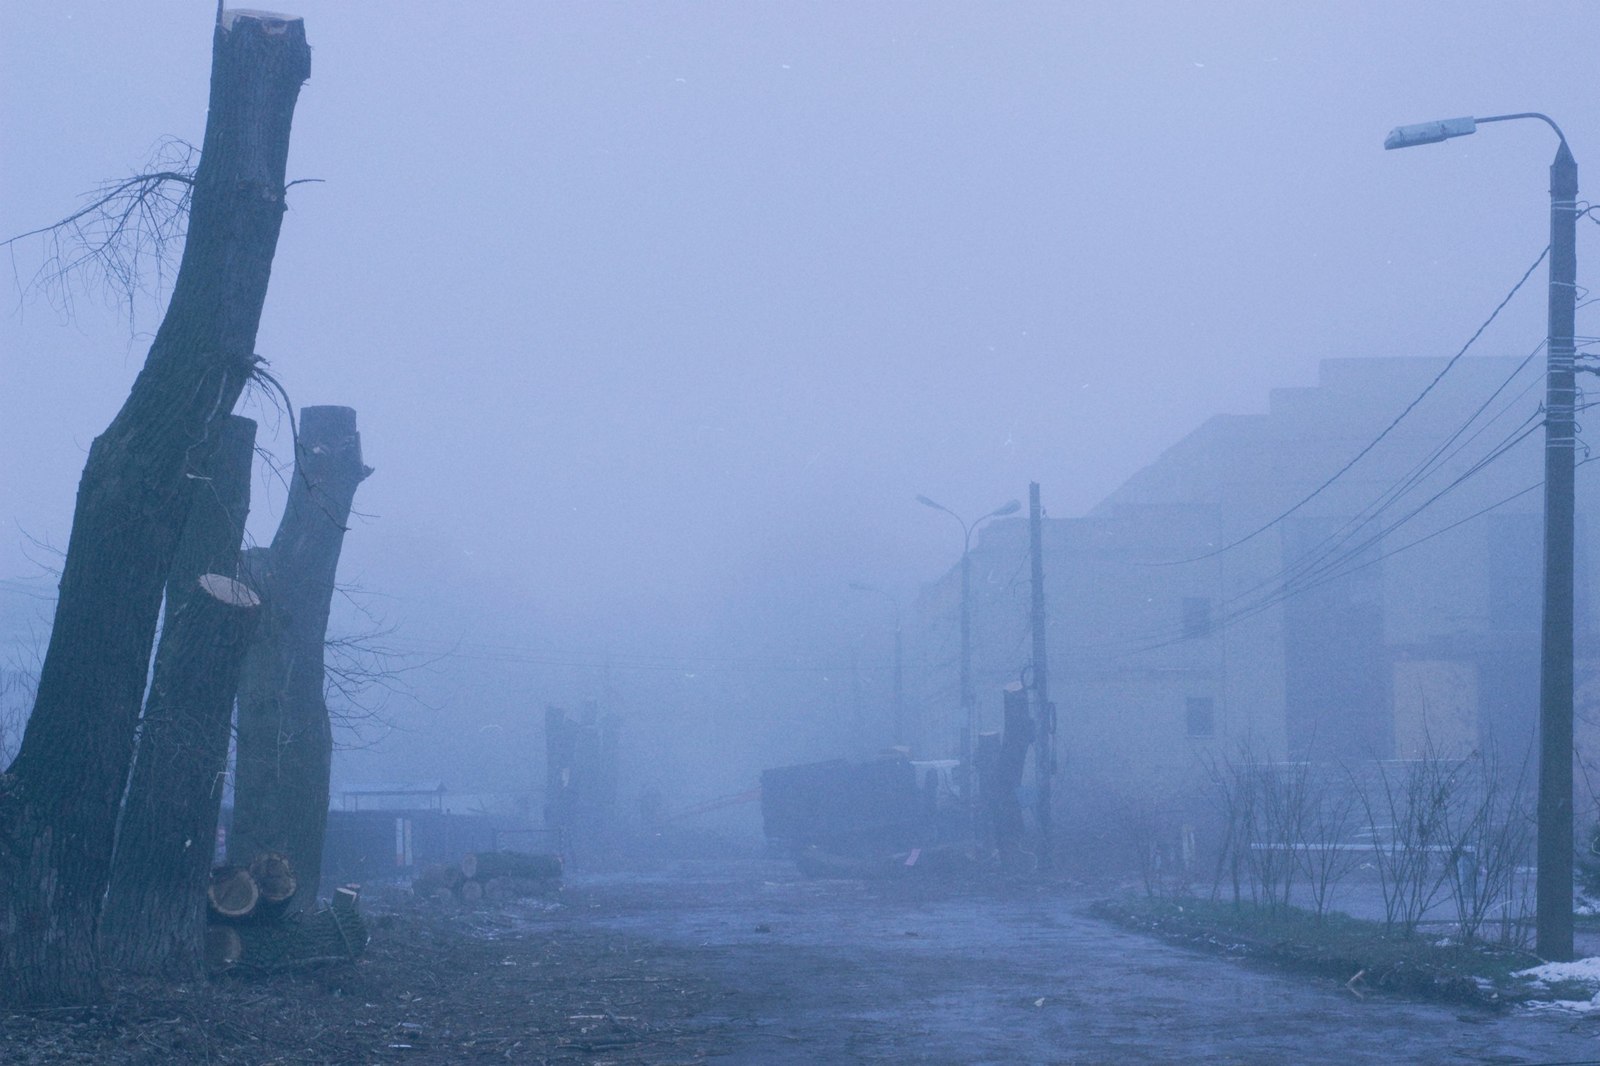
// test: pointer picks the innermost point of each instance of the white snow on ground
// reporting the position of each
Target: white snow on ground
(1577, 970)
(1585, 972)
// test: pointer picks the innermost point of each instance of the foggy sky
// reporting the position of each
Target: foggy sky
(656, 317)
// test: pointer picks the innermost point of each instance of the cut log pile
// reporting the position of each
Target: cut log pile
(491, 875)
(250, 925)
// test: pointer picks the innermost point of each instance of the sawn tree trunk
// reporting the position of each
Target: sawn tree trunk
(285, 740)
(154, 920)
(58, 801)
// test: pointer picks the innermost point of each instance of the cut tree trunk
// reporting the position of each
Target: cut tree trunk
(232, 894)
(154, 919)
(488, 865)
(58, 801)
(274, 876)
(285, 740)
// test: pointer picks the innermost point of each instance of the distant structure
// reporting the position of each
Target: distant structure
(1197, 608)
(580, 777)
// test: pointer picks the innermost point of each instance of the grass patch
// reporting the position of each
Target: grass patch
(1359, 954)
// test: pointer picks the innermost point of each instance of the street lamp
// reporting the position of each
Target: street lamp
(899, 691)
(969, 703)
(1554, 895)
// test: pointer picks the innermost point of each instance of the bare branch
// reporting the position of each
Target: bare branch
(125, 240)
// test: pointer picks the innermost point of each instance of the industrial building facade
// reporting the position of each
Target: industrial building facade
(1246, 589)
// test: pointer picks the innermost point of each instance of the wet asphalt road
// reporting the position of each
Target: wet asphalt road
(840, 972)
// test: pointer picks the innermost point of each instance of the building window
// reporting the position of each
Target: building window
(1196, 616)
(1200, 716)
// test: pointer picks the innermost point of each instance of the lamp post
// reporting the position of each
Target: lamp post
(969, 703)
(899, 690)
(1554, 894)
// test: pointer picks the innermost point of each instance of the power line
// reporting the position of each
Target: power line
(1314, 493)
(1323, 567)
(1425, 468)
(1404, 547)
(1517, 437)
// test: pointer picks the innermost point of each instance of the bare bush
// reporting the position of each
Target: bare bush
(1491, 831)
(1278, 830)
(1164, 845)
(1265, 810)
(1409, 814)
(1325, 854)
(1436, 828)
(1234, 793)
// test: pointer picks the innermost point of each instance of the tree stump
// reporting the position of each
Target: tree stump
(154, 917)
(59, 798)
(285, 738)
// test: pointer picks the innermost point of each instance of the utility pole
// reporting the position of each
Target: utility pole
(1553, 922)
(1044, 752)
(1554, 919)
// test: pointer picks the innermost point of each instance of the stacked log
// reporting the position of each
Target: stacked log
(275, 878)
(251, 927)
(492, 875)
(232, 895)
(488, 865)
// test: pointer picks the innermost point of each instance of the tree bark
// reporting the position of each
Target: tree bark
(59, 799)
(285, 740)
(155, 912)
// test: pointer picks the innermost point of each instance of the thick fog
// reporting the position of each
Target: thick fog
(657, 318)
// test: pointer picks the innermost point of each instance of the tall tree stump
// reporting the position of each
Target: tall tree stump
(58, 800)
(155, 911)
(285, 740)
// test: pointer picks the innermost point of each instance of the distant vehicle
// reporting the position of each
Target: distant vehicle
(852, 817)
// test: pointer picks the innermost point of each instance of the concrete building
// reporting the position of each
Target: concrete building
(1219, 599)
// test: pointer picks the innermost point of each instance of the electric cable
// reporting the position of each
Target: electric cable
(1314, 493)
(1323, 568)
(1425, 468)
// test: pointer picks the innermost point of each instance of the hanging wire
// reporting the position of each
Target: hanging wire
(1336, 475)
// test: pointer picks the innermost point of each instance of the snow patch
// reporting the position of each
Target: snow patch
(1577, 970)
(1584, 973)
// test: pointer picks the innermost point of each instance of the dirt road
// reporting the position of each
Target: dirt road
(830, 971)
(745, 962)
